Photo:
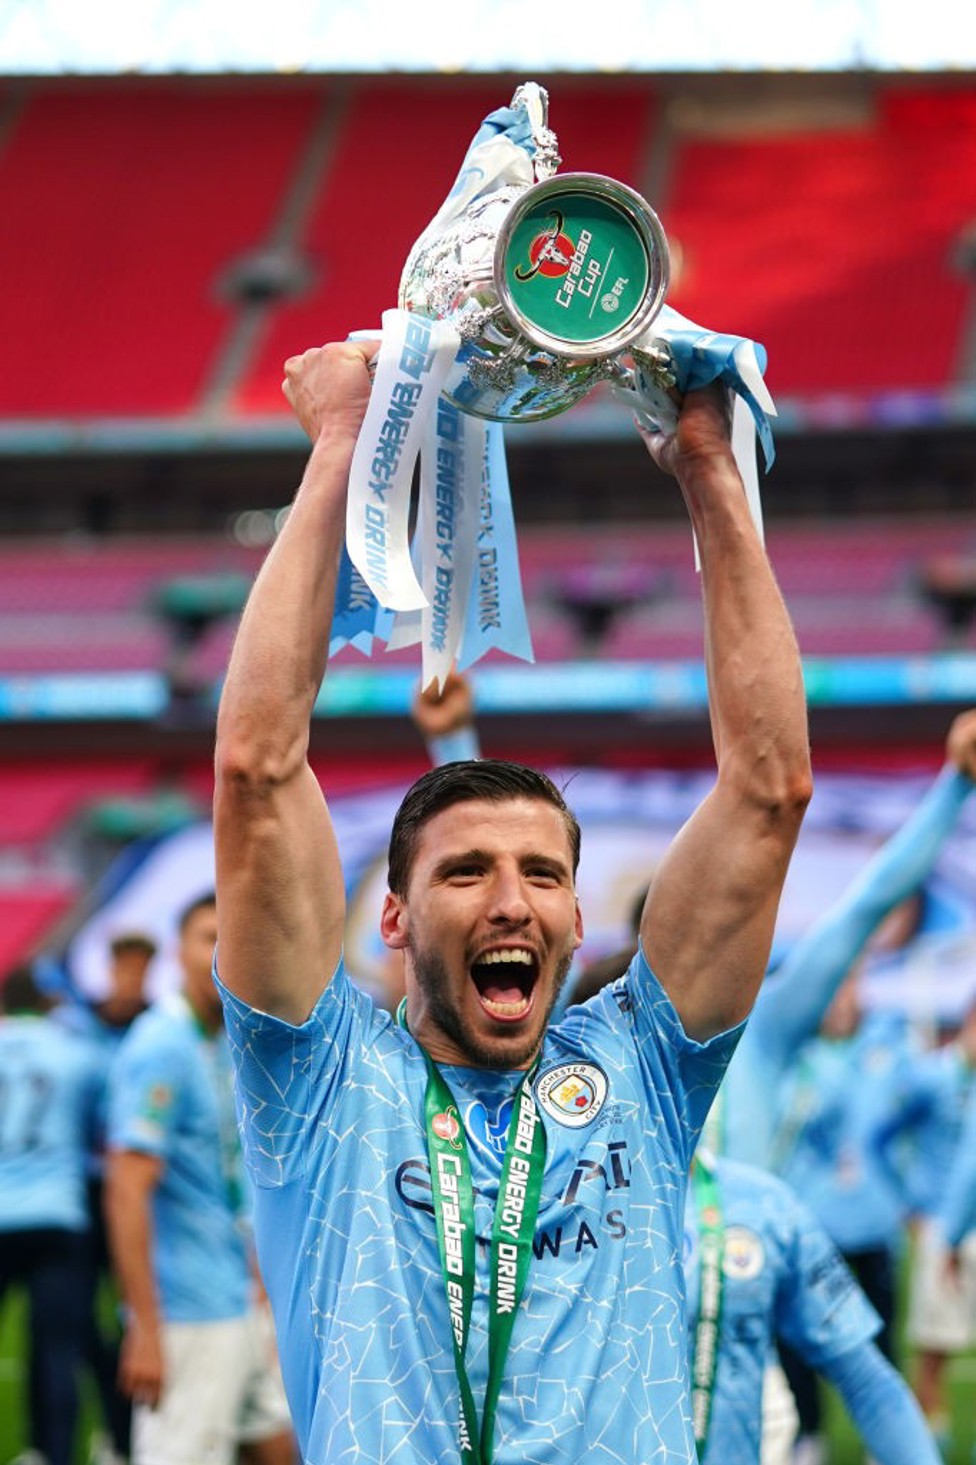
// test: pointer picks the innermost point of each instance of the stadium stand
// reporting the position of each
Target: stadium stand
(851, 588)
(832, 254)
(809, 234)
(131, 199)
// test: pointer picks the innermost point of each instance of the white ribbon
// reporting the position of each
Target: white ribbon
(414, 360)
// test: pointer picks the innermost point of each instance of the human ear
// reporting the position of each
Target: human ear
(393, 922)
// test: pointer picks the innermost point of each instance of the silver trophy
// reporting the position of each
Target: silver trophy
(552, 285)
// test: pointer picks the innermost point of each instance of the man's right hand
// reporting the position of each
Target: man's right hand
(328, 387)
(141, 1364)
(961, 743)
(703, 433)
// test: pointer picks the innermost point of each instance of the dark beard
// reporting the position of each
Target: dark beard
(431, 977)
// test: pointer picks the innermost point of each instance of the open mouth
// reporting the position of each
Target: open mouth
(506, 980)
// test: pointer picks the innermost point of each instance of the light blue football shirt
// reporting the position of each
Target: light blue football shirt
(332, 1114)
(782, 1277)
(170, 1096)
(49, 1088)
(81, 1019)
(835, 1103)
(918, 1137)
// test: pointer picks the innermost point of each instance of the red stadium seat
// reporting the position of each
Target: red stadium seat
(834, 247)
(124, 202)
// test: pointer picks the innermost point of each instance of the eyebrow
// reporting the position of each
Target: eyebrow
(444, 865)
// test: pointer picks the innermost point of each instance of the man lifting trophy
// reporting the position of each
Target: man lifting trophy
(527, 289)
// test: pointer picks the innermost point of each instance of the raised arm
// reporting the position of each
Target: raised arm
(280, 892)
(708, 921)
(798, 996)
(444, 717)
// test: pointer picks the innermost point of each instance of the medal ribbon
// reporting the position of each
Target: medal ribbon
(711, 1251)
(513, 1230)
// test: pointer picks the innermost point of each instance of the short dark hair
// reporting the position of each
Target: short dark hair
(202, 902)
(19, 992)
(493, 779)
(128, 941)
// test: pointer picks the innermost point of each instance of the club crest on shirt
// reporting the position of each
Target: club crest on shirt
(744, 1256)
(573, 1094)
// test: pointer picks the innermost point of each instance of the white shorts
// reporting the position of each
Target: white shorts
(941, 1315)
(222, 1387)
(780, 1420)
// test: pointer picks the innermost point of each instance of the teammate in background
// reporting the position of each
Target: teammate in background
(760, 1267)
(104, 1023)
(196, 1359)
(49, 1083)
(383, 1327)
(956, 1224)
(918, 1141)
(747, 1123)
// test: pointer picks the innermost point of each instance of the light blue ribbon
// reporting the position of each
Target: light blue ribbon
(358, 618)
(496, 609)
(702, 356)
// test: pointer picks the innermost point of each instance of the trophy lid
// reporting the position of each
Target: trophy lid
(581, 264)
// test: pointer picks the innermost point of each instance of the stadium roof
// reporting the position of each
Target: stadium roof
(47, 37)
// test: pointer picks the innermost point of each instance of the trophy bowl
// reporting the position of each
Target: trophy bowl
(548, 285)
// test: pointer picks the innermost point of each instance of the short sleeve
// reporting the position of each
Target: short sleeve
(288, 1076)
(143, 1096)
(691, 1071)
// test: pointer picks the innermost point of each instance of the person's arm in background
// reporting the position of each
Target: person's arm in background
(798, 994)
(130, 1183)
(882, 1406)
(708, 920)
(280, 888)
(445, 720)
(910, 1107)
(957, 1213)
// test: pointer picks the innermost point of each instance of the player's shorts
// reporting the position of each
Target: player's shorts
(222, 1388)
(780, 1420)
(941, 1314)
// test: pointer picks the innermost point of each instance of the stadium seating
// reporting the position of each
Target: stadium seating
(131, 199)
(815, 238)
(852, 588)
(834, 247)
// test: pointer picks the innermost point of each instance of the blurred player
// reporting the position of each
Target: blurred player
(49, 1089)
(918, 1140)
(196, 1360)
(104, 1023)
(760, 1267)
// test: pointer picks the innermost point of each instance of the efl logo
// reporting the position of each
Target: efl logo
(550, 253)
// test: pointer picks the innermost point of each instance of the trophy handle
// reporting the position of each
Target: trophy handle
(646, 381)
(535, 99)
